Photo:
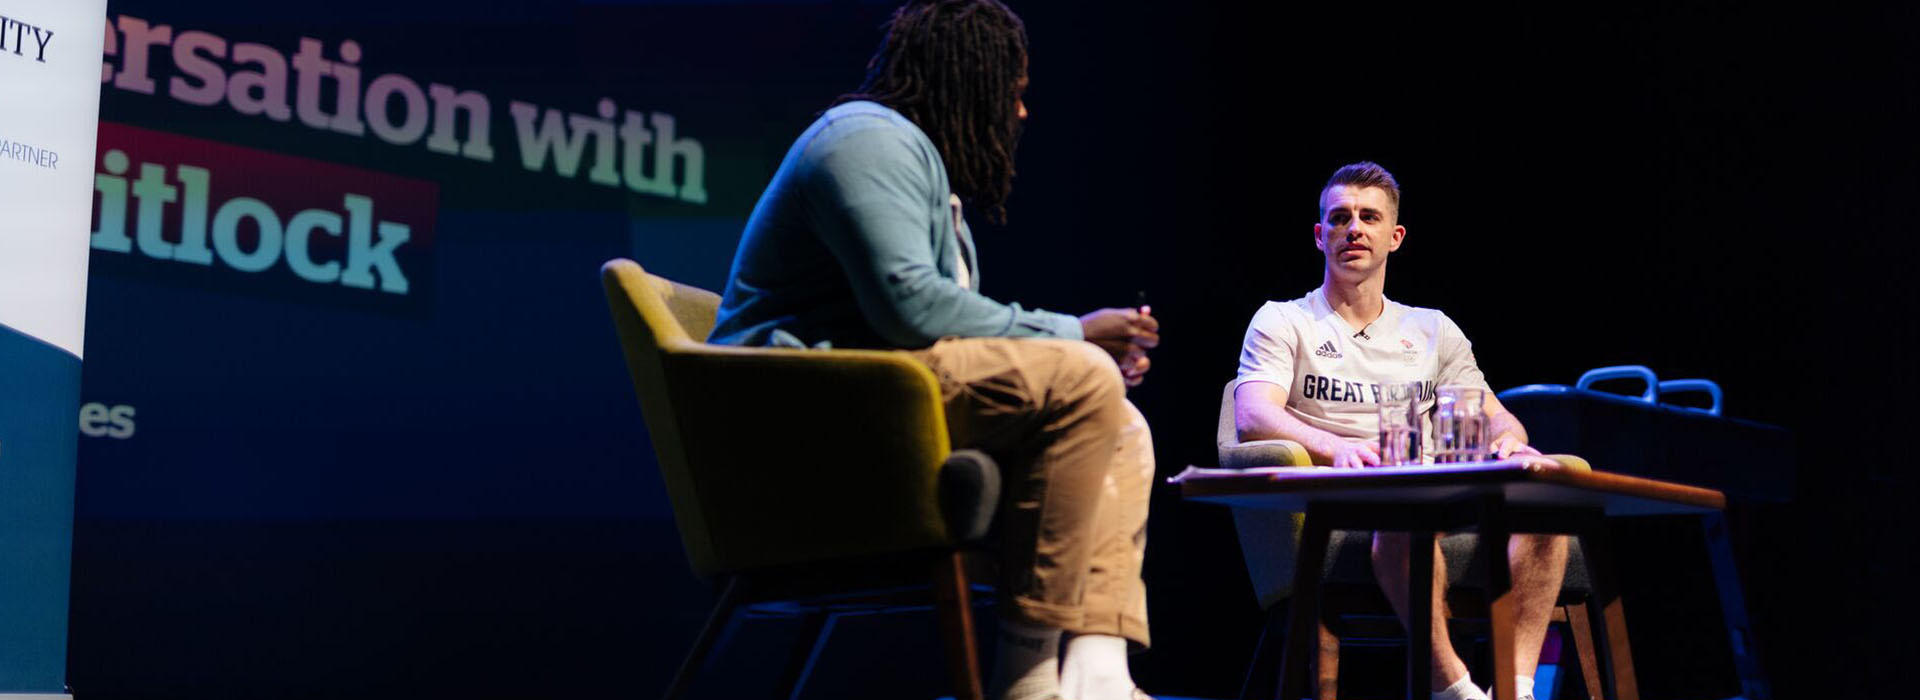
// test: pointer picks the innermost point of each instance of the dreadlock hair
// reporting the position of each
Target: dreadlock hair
(1362, 175)
(952, 66)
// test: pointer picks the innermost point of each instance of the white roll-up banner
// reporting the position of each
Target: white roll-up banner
(49, 117)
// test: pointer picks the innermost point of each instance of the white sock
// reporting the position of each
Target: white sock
(1028, 663)
(1096, 668)
(1523, 685)
(1462, 689)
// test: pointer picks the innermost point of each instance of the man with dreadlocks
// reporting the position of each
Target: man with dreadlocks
(859, 241)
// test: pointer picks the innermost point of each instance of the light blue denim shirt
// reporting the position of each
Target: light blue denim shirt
(854, 244)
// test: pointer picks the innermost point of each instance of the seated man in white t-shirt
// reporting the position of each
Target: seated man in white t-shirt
(1311, 371)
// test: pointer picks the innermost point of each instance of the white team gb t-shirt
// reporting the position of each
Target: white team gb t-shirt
(1333, 371)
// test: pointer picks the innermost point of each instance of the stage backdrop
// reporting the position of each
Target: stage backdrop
(354, 422)
(355, 390)
(47, 120)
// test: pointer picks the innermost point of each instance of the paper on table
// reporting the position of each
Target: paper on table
(1192, 472)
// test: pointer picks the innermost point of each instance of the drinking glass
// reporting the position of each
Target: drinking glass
(1460, 424)
(1399, 426)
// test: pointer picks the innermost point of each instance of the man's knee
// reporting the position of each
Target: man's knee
(1137, 425)
(1137, 434)
(1536, 542)
(1532, 548)
(1090, 373)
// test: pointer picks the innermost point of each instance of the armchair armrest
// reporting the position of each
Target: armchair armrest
(1264, 453)
(809, 454)
(1268, 539)
(1573, 462)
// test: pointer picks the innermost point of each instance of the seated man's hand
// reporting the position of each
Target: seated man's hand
(1115, 330)
(1348, 454)
(1126, 334)
(1506, 447)
(1134, 364)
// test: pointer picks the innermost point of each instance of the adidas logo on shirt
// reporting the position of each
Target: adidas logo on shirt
(1327, 350)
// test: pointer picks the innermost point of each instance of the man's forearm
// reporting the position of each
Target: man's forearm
(1505, 425)
(1280, 425)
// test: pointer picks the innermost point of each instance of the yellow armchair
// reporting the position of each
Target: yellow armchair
(792, 471)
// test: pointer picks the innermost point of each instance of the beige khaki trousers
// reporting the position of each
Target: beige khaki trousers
(1078, 465)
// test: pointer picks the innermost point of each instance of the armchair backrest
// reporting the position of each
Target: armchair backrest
(655, 317)
(1227, 434)
(776, 456)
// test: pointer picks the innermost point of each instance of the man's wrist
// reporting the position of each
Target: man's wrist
(1507, 426)
(1328, 445)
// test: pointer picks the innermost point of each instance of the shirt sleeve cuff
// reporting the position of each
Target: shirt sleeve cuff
(1068, 327)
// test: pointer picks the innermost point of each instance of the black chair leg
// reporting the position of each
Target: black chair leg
(1733, 609)
(1263, 671)
(1420, 612)
(815, 627)
(723, 609)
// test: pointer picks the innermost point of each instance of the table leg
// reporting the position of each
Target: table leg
(1303, 614)
(1580, 632)
(1610, 629)
(1502, 604)
(1420, 613)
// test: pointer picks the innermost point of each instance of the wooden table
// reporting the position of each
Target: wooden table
(1496, 498)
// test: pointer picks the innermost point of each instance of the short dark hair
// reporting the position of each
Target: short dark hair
(952, 66)
(1363, 174)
